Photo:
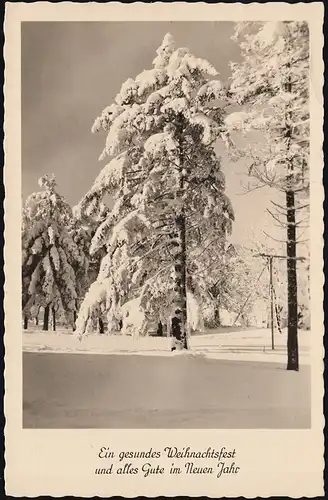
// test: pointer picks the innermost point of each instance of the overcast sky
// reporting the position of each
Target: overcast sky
(71, 71)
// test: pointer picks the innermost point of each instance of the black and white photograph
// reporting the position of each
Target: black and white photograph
(169, 212)
(166, 285)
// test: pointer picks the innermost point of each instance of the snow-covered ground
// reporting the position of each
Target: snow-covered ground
(248, 345)
(139, 383)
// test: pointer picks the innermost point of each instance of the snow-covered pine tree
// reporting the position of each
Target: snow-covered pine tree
(82, 229)
(166, 181)
(272, 85)
(48, 253)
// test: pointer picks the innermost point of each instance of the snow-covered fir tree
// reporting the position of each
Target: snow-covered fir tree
(49, 253)
(167, 185)
(82, 229)
(272, 85)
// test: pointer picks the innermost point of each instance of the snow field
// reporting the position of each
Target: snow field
(252, 345)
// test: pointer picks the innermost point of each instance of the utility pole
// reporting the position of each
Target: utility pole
(270, 259)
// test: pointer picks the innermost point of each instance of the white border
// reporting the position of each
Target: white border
(61, 462)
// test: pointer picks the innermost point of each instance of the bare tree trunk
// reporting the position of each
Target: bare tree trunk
(159, 331)
(37, 316)
(53, 318)
(292, 342)
(25, 322)
(46, 318)
(217, 319)
(74, 320)
(101, 325)
(179, 318)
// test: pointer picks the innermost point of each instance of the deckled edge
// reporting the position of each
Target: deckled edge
(325, 285)
(2, 275)
(324, 89)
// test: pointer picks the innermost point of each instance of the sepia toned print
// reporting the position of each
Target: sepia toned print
(168, 254)
(149, 259)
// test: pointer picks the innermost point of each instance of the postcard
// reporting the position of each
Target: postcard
(163, 249)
